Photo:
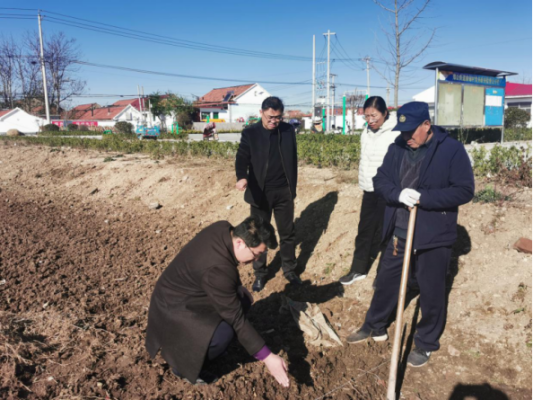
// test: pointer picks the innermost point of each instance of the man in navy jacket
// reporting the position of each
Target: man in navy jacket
(424, 166)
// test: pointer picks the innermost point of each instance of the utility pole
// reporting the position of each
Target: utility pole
(333, 99)
(387, 96)
(43, 69)
(139, 99)
(313, 80)
(143, 97)
(328, 34)
(367, 59)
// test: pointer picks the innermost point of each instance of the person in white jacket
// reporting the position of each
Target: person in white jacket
(375, 140)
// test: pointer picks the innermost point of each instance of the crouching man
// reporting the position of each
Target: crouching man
(199, 304)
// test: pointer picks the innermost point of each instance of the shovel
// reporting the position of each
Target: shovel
(392, 382)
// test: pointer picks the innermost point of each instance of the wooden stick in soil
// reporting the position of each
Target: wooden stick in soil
(392, 382)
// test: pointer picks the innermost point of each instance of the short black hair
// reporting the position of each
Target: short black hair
(376, 102)
(254, 231)
(273, 102)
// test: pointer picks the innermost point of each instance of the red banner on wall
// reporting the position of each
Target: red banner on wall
(62, 123)
(86, 123)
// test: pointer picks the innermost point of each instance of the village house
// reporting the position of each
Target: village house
(231, 104)
(20, 120)
(107, 116)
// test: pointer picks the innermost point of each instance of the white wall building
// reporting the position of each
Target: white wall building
(232, 104)
(20, 120)
(108, 116)
(520, 96)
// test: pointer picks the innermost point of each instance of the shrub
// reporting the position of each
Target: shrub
(330, 150)
(516, 118)
(124, 127)
(185, 119)
(510, 166)
(83, 128)
(512, 135)
(50, 128)
(479, 135)
(72, 127)
(489, 195)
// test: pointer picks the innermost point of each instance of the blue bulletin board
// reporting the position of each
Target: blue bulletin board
(494, 107)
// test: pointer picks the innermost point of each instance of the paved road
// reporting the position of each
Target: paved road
(223, 137)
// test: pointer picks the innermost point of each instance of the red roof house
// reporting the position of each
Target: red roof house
(232, 104)
(222, 96)
(518, 89)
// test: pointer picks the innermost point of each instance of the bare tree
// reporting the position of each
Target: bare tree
(60, 54)
(403, 43)
(8, 50)
(28, 73)
(355, 101)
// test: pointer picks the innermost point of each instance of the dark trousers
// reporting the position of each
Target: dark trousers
(428, 271)
(368, 240)
(281, 203)
(224, 333)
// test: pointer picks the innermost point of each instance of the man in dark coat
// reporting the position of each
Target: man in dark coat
(266, 167)
(424, 166)
(199, 304)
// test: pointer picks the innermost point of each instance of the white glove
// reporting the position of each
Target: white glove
(409, 197)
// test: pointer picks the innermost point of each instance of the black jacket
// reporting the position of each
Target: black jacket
(445, 182)
(193, 295)
(252, 159)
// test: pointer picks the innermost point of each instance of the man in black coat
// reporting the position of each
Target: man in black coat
(424, 166)
(199, 304)
(266, 167)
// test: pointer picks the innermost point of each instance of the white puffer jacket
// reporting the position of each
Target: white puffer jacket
(374, 146)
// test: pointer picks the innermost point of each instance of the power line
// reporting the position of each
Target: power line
(160, 39)
(343, 53)
(186, 76)
(159, 73)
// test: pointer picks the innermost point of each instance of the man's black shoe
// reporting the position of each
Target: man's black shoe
(259, 284)
(204, 377)
(418, 357)
(294, 279)
(351, 277)
(361, 335)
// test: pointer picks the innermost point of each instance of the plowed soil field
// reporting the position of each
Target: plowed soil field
(81, 250)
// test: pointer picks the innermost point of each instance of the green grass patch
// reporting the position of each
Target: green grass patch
(489, 195)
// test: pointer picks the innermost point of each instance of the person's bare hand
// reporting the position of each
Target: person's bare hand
(241, 185)
(243, 291)
(277, 368)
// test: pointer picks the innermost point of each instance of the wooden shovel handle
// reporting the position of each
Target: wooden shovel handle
(400, 306)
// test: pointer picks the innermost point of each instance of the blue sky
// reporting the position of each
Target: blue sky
(490, 34)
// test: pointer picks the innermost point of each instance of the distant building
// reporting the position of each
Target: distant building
(519, 95)
(107, 116)
(20, 120)
(231, 104)
(78, 111)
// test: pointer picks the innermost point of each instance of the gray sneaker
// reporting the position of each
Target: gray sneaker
(360, 335)
(351, 277)
(418, 357)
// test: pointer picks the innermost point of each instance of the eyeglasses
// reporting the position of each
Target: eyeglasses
(274, 117)
(256, 256)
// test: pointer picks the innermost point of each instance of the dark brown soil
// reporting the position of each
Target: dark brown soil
(79, 269)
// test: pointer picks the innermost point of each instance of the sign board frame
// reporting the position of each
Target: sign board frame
(475, 99)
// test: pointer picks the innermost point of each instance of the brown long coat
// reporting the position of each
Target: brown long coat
(193, 295)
